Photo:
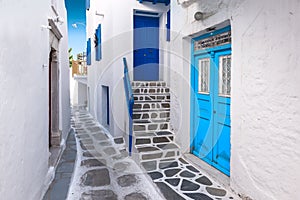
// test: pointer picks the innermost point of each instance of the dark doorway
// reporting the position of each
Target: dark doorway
(105, 105)
(54, 133)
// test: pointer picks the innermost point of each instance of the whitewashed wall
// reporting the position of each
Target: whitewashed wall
(82, 90)
(117, 42)
(64, 71)
(24, 49)
(265, 108)
(79, 90)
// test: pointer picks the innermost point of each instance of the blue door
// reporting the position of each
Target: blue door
(210, 127)
(146, 48)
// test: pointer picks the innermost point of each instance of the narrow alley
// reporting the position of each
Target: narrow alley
(149, 100)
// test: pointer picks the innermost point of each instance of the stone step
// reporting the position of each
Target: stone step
(153, 101)
(148, 84)
(153, 138)
(147, 121)
(171, 152)
(148, 126)
(149, 156)
(155, 133)
(141, 141)
(153, 106)
(151, 115)
(155, 90)
(152, 110)
(153, 148)
(151, 97)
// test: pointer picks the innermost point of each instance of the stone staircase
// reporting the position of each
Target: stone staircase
(152, 139)
(155, 151)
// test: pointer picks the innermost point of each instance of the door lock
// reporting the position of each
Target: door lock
(215, 112)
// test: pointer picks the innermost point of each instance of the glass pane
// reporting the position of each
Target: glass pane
(203, 76)
(225, 75)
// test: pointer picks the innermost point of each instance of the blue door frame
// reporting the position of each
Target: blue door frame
(210, 111)
(146, 48)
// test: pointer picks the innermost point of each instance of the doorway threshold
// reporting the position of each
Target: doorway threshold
(215, 174)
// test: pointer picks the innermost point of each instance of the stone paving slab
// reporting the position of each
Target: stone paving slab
(178, 179)
(103, 169)
(58, 189)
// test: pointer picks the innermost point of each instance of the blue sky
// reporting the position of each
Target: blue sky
(77, 36)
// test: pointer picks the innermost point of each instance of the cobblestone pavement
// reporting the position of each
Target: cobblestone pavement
(58, 189)
(103, 169)
(178, 179)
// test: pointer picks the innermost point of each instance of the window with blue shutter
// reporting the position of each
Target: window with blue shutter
(88, 52)
(168, 25)
(87, 4)
(98, 43)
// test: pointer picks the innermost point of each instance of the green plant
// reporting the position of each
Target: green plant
(70, 57)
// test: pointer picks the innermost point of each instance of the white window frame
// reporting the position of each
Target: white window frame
(221, 86)
(200, 67)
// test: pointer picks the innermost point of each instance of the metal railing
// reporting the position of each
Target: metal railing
(129, 100)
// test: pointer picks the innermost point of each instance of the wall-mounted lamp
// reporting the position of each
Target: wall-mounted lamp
(46, 27)
(198, 16)
(59, 20)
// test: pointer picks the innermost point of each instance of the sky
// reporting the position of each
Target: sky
(76, 15)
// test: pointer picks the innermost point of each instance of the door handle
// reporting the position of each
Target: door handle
(215, 112)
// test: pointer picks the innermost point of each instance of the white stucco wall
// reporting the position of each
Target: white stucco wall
(82, 90)
(79, 90)
(265, 106)
(64, 82)
(117, 42)
(24, 49)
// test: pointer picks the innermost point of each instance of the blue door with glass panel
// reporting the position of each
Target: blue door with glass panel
(211, 88)
(146, 48)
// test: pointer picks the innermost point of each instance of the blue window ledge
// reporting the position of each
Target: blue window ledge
(166, 2)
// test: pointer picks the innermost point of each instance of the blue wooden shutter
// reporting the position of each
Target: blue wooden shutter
(168, 25)
(88, 52)
(98, 44)
(87, 4)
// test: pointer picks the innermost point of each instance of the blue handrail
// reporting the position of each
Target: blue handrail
(129, 100)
